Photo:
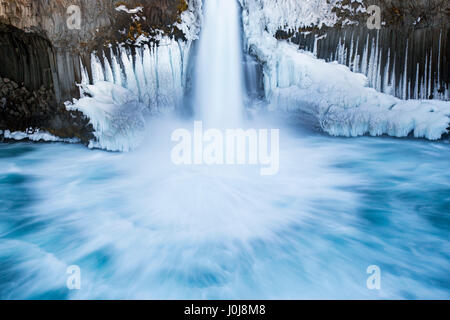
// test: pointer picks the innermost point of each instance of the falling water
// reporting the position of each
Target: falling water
(219, 80)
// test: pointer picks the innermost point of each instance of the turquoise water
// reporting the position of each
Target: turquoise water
(139, 227)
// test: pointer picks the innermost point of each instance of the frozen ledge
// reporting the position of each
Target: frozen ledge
(339, 99)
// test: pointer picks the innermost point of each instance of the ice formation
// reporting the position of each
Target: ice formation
(290, 15)
(391, 71)
(155, 74)
(154, 78)
(123, 90)
(339, 99)
(35, 135)
(116, 114)
(126, 87)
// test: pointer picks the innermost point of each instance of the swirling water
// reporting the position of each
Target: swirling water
(139, 227)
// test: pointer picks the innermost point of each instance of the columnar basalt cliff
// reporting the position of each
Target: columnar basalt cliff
(44, 46)
(339, 97)
(407, 57)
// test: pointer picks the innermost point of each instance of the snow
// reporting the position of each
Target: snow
(339, 99)
(130, 11)
(191, 20)
(35, 135)
(116, 114)
(291, 15)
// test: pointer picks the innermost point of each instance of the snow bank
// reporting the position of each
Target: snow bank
(338, 98)
(116, 114)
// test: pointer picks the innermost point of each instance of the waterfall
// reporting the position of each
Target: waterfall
(219, 83)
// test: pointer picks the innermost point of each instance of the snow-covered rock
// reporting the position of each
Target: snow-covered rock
(191, 20)
(290, 15)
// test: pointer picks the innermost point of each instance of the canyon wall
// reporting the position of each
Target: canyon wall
(407, 57)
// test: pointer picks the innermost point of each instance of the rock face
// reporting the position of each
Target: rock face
(42, 43)
(27, 92)
(408, 57)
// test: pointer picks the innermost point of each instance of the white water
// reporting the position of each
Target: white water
(219, 81)
(140, 227)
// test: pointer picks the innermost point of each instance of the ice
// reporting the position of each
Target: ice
(35, 135)
(290, 15)
(117, 115)
(190, 23)
(122, 91)
(156, 75)
(339, 99)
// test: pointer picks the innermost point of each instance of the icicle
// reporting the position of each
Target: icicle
(416, 86)
(372, 65)
(430, 68)
(378, 64)
(357, 56)
(108, 71)
(385, 85)
(131, 82)
(97, 69)
(139, 72)
(394, 76)
(84, 74)
(151, 74)
(438, 78)
(117, 71)
(405, 74)
(352, 67)
(365, 57)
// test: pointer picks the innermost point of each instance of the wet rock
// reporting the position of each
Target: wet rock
(21, 108)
